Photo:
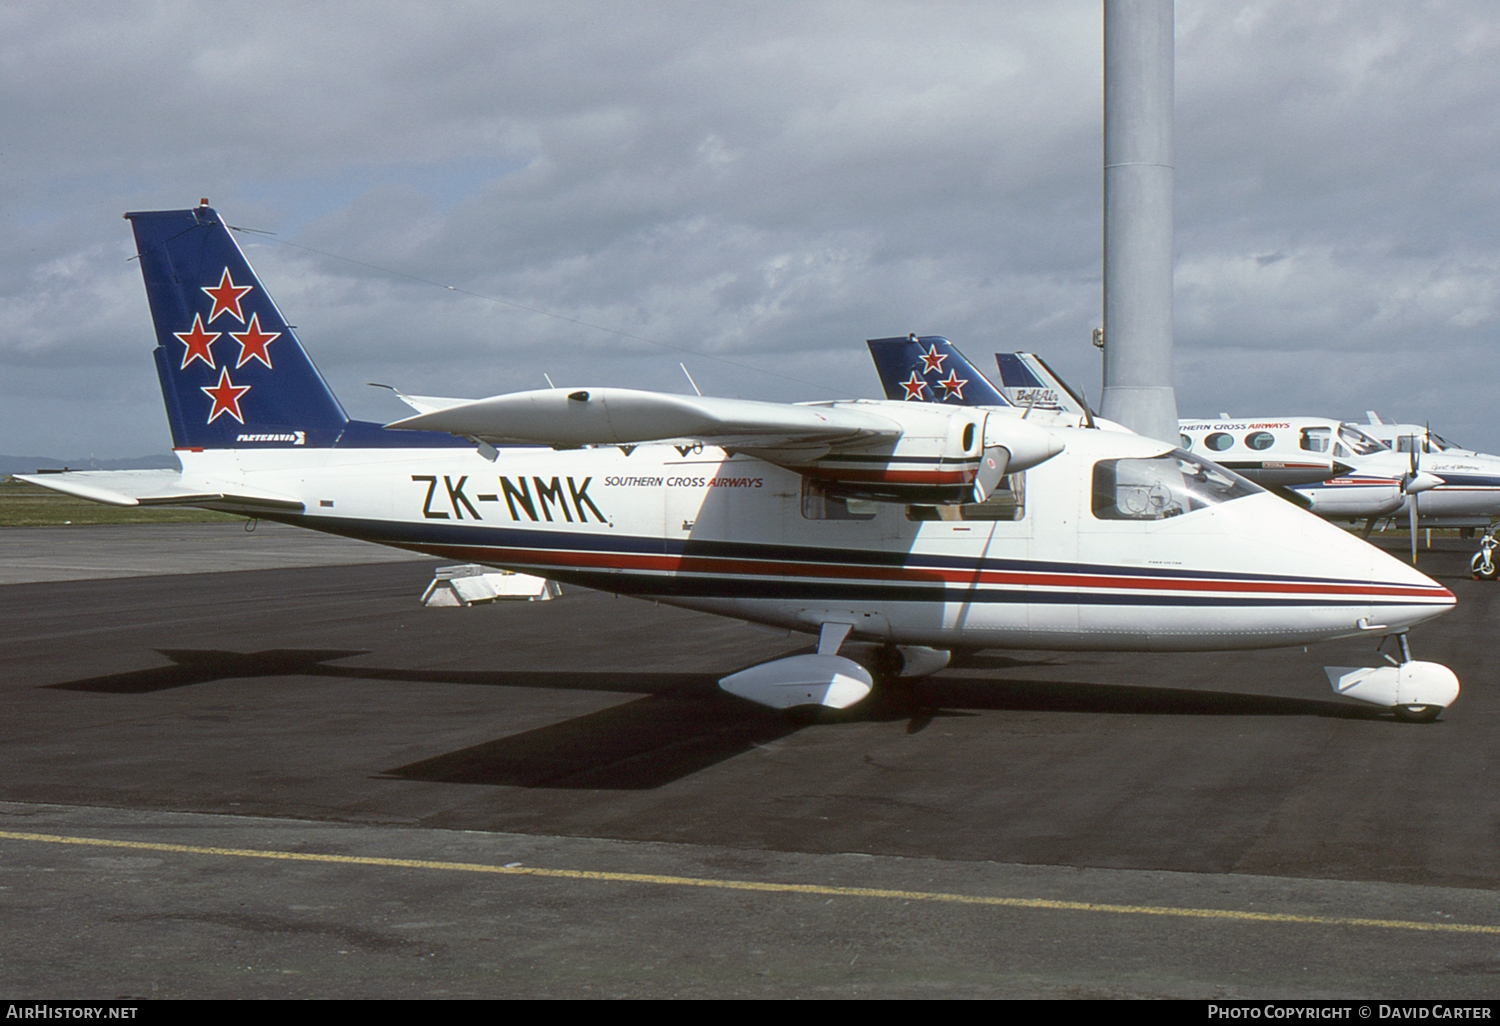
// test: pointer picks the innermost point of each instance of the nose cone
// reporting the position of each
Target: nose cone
(1406, 595)
(1345, 585)
(1421, 482)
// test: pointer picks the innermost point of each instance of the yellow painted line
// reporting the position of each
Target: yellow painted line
(755, 885)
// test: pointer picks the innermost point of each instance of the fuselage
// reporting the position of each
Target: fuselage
(1470, 489)
(1366, 478)
(1053, 560)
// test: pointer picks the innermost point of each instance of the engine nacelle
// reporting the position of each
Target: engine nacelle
(945, 455)
(1355, 500)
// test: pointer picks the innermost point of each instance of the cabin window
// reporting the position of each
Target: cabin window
(1316, 439)
(1260, 440)
(818, 504)
(1187, 443)
(1219, 441)
(1006, 502)
(1164, 486)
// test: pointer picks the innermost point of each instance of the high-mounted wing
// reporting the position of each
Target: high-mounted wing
(884, 451)
(564, 417)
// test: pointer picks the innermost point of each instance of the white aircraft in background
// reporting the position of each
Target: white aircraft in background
(1335, 468)
(917, 529)
(1469, 479)
(1415, 480)
(1369, 480)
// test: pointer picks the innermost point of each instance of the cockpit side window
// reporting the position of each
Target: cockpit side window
(1361, 443)
(1169, 485)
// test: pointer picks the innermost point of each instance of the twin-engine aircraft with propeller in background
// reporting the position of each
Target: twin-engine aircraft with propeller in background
(903, 530)
(1469, 495)
(1388, 471)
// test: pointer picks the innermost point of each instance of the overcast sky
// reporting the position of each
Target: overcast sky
(751, 188)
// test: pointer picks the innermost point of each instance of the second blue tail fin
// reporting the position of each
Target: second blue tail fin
(930, 369)
(1028, 381)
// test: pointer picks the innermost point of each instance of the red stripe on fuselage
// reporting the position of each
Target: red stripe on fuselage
(665, 564)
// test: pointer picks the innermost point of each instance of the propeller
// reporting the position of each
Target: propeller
(1413, 483)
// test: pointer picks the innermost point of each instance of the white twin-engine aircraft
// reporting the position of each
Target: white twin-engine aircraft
(1338, 470)
(916, 529)
(1379, 473)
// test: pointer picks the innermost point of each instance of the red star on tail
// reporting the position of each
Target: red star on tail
(933, 359)
(253, 342)
(913, 386)
(953, 387)
(197, 341)
(226, 296)
(226, 396)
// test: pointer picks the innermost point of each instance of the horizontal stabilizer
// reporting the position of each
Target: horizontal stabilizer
(564, 417)
(160, 488)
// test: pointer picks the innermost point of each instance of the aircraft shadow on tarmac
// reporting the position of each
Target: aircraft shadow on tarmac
(682, 723)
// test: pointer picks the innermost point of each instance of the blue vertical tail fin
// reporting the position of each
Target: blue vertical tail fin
(1026, 380)
(930, 369)
(233, 375)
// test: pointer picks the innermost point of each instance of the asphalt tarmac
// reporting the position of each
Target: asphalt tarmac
(296, 781)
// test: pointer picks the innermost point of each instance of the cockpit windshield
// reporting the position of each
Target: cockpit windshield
(1357, 440)
(1168, 485)
(1431, 441)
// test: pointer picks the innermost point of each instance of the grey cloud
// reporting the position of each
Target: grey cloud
(761, 184)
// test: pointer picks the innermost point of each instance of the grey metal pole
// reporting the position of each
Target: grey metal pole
(1138, 181)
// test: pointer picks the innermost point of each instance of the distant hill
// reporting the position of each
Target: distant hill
(31, 464)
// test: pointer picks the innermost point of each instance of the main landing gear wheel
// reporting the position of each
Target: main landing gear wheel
(887, 664)
(1417, 713)
(1484, 566)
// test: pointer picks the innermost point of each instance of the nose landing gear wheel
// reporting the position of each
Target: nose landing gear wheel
(1417, 713)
